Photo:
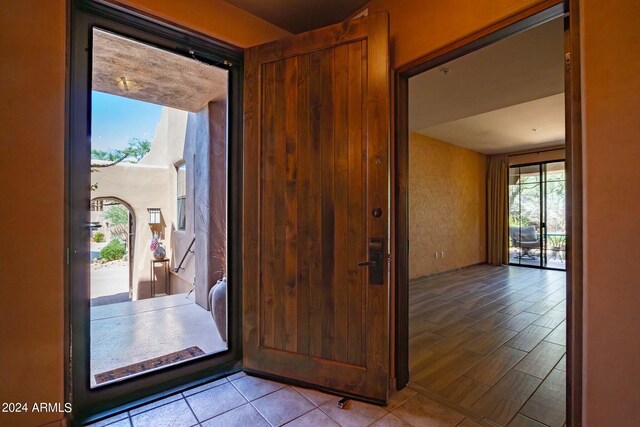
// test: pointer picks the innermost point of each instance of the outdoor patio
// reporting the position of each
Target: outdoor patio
(127, 333)
(554, 260)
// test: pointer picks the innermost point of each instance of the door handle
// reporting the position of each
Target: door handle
(375, 264)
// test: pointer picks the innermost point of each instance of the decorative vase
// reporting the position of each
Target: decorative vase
(160, 252)
(218, 306)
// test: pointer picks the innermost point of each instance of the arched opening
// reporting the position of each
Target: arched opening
(113, 229)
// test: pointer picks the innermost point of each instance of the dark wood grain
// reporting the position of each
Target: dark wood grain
(303, 219)
(321, 138)
(291, 203)
(502, 402)
(547, 403)
(462, 360)
(356, 287)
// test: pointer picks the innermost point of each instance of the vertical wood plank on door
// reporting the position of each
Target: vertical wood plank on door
(355, 215)
(340, 192)
(315, 201)
(303, 225)
(279, 213)
(328, 206)
(291, 204)
(315, 118)
(267, 201)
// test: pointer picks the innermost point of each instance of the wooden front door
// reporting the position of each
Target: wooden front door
(316, 205)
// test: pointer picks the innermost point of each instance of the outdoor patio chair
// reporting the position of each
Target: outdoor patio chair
(526, 239)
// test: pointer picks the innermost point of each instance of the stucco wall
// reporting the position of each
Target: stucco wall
(447, 206)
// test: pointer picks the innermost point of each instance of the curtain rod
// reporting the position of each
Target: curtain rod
(534, 151)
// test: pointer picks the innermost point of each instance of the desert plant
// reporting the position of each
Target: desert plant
(117, 214)
(98, 237)
(114, 250)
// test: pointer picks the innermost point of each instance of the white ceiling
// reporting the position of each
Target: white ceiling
(500, 131)
(484, 101)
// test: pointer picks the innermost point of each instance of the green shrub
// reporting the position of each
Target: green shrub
(114, 250)
(98, 237)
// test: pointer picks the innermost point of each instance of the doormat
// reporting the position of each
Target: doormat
(157, 362)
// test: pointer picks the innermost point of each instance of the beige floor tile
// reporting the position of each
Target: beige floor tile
(282, 406)
(315, 418)
(245, 415)
(204, 387)
(175, 414)
(236, 376)
(354, 414)
(314, 396)
(112, 420)
(156, 404)
(253, 387)
(421, 411)
(215, 401)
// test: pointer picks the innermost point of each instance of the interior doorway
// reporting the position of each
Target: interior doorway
(472, 330)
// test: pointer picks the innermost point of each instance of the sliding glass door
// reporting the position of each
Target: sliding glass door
(537, 223)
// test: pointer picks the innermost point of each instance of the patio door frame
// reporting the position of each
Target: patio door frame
(511, 25)
(542, 173)
(92, 404)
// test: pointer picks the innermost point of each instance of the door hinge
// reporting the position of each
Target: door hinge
(567, 60)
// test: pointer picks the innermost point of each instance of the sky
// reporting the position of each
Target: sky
(115, 120)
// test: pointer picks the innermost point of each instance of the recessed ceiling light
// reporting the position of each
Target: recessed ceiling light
(127, 85)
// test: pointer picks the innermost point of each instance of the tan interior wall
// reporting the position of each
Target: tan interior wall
(447, 206)
(610, 32)
(32, 114)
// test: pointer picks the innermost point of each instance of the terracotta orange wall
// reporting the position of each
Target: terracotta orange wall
(611, 84)
(447, 206)
(215, 18)
(32, 84)
(420, 26)
(32, 74)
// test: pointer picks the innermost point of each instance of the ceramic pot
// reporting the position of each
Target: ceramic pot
(160, 252)
(218, 306)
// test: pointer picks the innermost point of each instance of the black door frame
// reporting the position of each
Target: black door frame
(543, 213)
(519, 22)
(92, 404)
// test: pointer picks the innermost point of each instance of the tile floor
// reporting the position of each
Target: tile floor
(490, 342)
(242, 400)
